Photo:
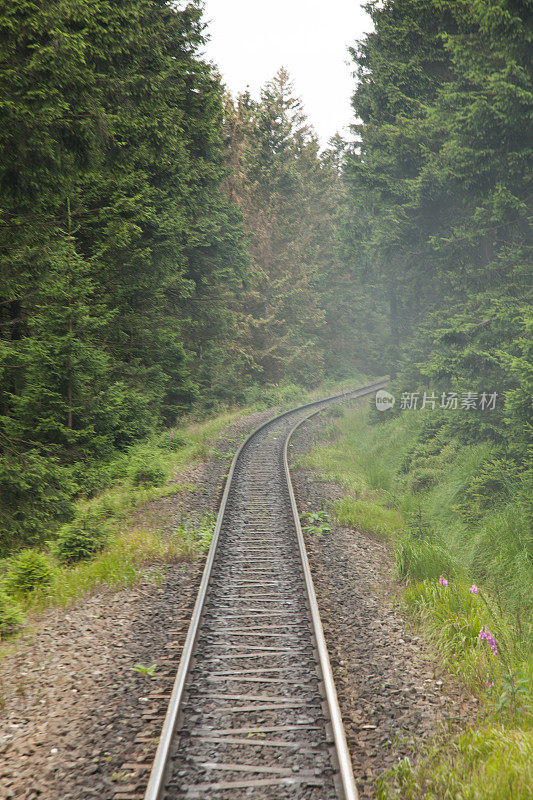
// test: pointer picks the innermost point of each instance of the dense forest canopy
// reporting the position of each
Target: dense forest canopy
(441, 188)
(439, 225)
(164, 245)
(159, 242)
(111, 221)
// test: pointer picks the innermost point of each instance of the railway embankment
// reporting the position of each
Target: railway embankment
(430, 657)
(84, 689)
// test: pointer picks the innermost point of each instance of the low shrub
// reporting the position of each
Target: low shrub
(92, 480)
(28, 571)
(495, 483)
(192, 538)
(78, 542)
(172, 441)
(423, 478)
(10, 614)
(148, 475)
(35, 494)
(317, 522)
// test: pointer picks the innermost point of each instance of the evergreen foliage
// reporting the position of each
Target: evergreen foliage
(10, 614)
(440, 181)
(164, 246)
(29, 570)
(112, 227)
(79, 541)
(303, 306)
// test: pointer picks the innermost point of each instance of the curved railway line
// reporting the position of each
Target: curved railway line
(253, 712)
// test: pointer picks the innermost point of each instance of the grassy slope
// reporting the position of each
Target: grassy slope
(129, 546)
(431, 539)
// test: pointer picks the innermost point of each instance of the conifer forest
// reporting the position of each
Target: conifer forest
(175, 256)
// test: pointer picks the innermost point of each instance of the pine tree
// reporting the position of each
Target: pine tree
(402, 65)
(440, 188)
(112, 227)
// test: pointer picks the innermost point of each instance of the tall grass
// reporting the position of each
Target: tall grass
(467, 568)
(490, 762)
(366, 515)
(425, 521)
(364, 458)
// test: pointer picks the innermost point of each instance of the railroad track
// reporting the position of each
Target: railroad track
(254, 712)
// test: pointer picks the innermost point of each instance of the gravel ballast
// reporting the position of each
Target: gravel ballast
(77, 718)
(394, 697)
(80, 720)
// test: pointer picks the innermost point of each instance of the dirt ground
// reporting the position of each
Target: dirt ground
(79, 718)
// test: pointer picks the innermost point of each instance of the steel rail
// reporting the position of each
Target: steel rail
(158, 775)
(341, 747)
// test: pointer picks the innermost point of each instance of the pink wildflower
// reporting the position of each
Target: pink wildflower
(443, 581)
(171, 435)
(487, 635)
(474, 589)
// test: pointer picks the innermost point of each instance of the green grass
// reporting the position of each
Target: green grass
(195, 444)
(420, 494)
(425, 523)
(287, 394)
(490, 762)
(368, 516)
(121, 564)
(130, 546)
(365, 460)
(116, 493)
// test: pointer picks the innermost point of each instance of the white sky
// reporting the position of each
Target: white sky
(251, 39)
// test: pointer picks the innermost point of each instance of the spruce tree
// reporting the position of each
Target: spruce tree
(112, 225)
